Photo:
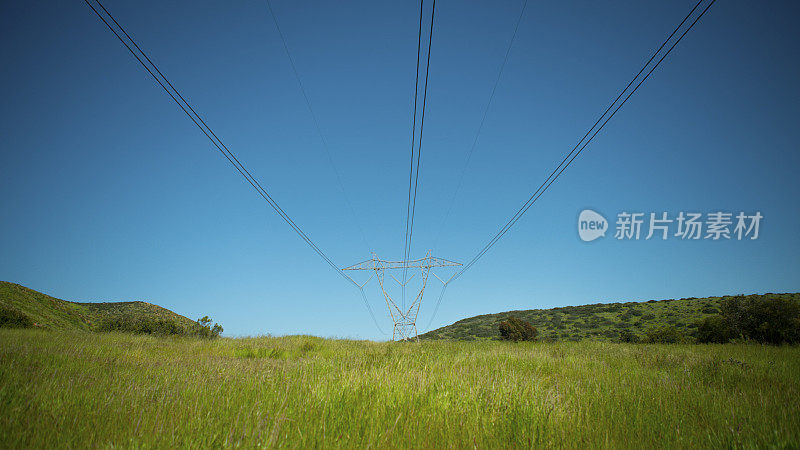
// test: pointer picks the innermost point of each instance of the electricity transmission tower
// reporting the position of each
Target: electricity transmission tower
(405, 319)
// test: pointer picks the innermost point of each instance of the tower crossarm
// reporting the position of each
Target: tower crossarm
(421, 263)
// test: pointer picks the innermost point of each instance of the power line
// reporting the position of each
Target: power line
(559, 170)
(419, 144)
(480, 125)
(578, 149)
(413, 142)
(317, 126)
(421, 128)
(436, 309)
(216, 141)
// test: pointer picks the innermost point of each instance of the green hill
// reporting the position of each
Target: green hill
(52, 313)
(595, 322)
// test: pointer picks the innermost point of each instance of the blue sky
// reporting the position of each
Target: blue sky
(109, 193)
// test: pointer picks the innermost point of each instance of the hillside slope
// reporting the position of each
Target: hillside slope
(54, 313)
(596, 322)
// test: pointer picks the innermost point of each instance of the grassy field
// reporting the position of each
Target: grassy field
(599, 322)
(79, 389)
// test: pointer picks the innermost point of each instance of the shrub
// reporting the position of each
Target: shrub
(11, 317)
(628, 336)
(713, 329)
(771, 320)
(666, 334)
(609, 333)
(159, 327)
(673, 320)
(515, 329)
(142, 325)
(709, 309)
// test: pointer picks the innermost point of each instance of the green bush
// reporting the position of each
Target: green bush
(666, 334)
(771, 320)
(11, 317)
(609, 333)
(516, 330)
(709, 309)
(714, 329)
(143, 325)
(628, 336)
(159, 327)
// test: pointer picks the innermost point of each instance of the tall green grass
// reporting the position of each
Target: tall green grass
(76, 389)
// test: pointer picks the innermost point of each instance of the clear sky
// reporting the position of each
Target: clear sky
(109, 193)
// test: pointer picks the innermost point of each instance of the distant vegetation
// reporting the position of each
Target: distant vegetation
(21, 307)
(517, 330)
(768, 318)
(159, 327)
(761, 319)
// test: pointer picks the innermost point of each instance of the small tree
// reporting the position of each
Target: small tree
(204, 328)
(516, 330)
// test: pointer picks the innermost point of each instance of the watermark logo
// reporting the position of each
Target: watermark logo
(634, 226)
(591, 225)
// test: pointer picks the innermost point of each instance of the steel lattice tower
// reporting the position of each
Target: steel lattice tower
(405, 319)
